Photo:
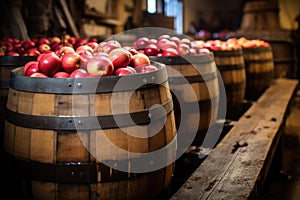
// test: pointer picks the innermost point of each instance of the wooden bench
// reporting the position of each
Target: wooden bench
(237, 167)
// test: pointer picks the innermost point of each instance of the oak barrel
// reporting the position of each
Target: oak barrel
(284, 56)
(194, 81)
(260, 15)
(231, 65)
(85, 138)
(7, 64)
(259, 70)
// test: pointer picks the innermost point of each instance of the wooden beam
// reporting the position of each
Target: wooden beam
(237, 167)
(69, 17)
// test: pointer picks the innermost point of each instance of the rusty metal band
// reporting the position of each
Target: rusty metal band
(89, 123)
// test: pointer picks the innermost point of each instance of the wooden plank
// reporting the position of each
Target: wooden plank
(69, 18)
(237, 167)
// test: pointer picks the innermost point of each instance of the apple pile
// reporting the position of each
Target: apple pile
(220, 45)
(252, 43)
(107, 58)
(166, 45)
(15, 47)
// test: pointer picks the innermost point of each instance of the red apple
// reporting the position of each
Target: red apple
(99, 54)
(38, 75)
(84, 48)
(153, 41)
(63, 50)
(166, 36)
(108, 47)
(123, 71)
(49, 63)
(12, 53)
(43, 47)
(120, 57)
(70, 62)
(183, 49)
(56, 46)
(115, 42)
(79, 73)
(141, 43)
(32, 52)
(139, 60)
(165, 43)
(132, 69)
(28, 44)
(93, 39)
(43, 40)
(151, 50)
(203, 51)
(30, 68)
(185, 41)
(193, 52)
(55, 39)
(169, 52)
(132, 50)
(80, 41)
(85, 57)
(61, 75)
(93, 45)
(148, 68)
(100, 66)
(176, 40)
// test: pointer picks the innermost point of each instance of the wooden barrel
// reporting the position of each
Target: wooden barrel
(231, 65)
(260, 15)
(284, 56)
(7, 64)
(61, 134)
(259, 65)
(198, 72)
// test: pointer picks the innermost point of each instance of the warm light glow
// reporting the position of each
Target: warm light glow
(151, 6)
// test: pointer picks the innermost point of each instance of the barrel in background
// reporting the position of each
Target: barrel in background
(284, 55)
(259, 65)
(200, 73)
(48, 130)
(231, 65)
(260, 16)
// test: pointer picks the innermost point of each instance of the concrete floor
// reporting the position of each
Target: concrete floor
(283, 182)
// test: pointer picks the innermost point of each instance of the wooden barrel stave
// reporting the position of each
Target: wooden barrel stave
(231, 65)
(200, 73)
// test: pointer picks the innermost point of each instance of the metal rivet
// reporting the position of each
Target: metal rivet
(79, 85)
(79, 122)
(144, 80)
